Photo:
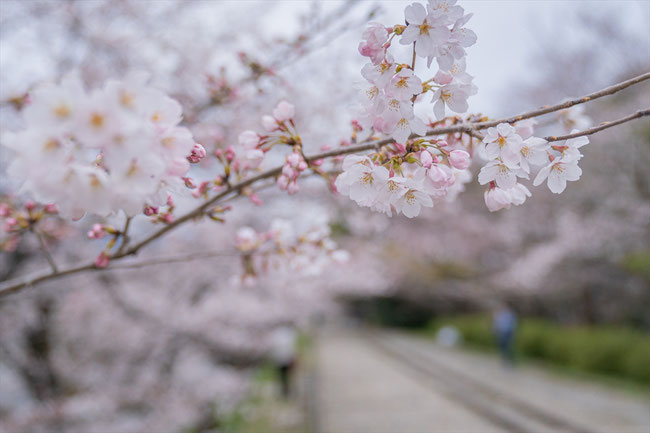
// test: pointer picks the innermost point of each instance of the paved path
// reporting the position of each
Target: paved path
(386, 382)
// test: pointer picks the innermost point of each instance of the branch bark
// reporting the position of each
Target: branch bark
(602, 126)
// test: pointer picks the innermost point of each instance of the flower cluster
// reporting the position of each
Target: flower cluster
(405, 185)
(294, 165)
(437, 32)
(511, 151)
(252, 147)
(16, 220)
(281, 247)
(115, 148)
(280, 130)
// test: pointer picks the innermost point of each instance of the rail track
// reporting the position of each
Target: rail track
(498, 407)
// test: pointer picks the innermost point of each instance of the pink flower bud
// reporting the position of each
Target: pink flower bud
(198, 153)
(230, 153)
(440, 176)
(150, 210)
(170, 200)
(255, 199)
(426, 159)
(293, 187)
(10, 223)
(30, 205)
(249, 139)
(288, 172)
(283, 182)
(400, 147)
(51, 208)
(294, 159)
(284, 111)
(102, 260)
(302, 166)
(189, 183)
(269, 123)
(459, 159)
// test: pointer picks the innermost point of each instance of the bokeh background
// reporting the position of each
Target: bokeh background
(182, 347)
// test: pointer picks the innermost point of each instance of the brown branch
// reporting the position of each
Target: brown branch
(604, 125)
(474, 126)
(15, 285)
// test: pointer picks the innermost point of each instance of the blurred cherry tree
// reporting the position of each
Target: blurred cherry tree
(186, 130)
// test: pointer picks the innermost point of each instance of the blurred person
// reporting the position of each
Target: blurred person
(504, 325)
(448, 336)
(283, 355)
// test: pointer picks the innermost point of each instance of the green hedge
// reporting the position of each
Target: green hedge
(614, 351)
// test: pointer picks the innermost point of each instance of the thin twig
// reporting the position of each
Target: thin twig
(15, 285)
(604, 125)
(125, 235)
(46, 251)
(467, 127)
(176, 259)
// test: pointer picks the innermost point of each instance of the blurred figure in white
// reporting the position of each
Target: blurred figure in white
(283, 354)
(448, 336)
(504, 326)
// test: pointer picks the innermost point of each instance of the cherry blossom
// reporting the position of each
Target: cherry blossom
(411, 202)
(454, 96)
(404, 85)
(498, 198)
(499, 172)
(375, 36)
(459, 159)
(118, 147)
(558, 173)
(381, 74)
(503, 142)
(425, 31)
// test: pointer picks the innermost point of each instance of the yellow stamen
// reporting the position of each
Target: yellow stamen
(51, 145)
(127, 99)
(97, 120)
(409, 196)
(62, 111)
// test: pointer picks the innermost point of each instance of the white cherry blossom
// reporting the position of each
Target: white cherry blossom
(404, 85)
(367, 184)
(558, 173)
(379, 74)
(411, 202)
(426, 31)
(453, 96)
(496, 171)
(533, 152)
(503, 142)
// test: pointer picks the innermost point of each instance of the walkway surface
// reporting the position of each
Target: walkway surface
(388, 382)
